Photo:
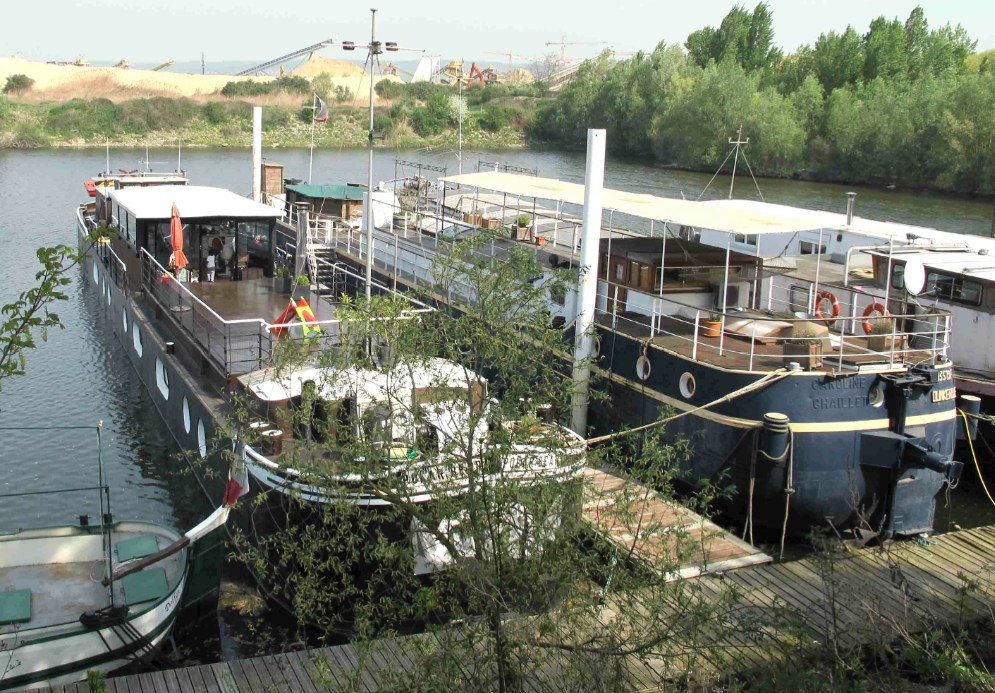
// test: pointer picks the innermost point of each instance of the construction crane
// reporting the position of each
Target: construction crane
(563, 43)
(309, 51)
(162, 66)
(511, 56)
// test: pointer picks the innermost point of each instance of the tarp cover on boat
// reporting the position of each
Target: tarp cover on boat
(196, 201)
(732, 217)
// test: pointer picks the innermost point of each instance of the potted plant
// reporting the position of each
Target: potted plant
(521, 230)
(880, 338)
(710, 325)
(474, 218)
(281, 280)
(805, 344)
(302, 287)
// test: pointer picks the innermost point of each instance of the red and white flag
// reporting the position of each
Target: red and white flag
(237, 486)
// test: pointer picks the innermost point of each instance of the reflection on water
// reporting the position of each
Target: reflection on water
(79, 377)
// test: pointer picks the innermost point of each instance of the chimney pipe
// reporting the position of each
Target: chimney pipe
(851, 198)
(257, 152)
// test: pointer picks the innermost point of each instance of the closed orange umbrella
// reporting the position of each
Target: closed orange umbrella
(177, 260)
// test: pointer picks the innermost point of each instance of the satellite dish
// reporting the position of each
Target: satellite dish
(915, 277)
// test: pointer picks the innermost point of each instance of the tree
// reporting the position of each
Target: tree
(17, 84)
(885, 49)
(520, 586)
(838, 59)
(30, 314)
(747, 39)
(543, 67)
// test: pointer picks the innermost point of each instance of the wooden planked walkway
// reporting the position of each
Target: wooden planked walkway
(654, 531)
(845, 599)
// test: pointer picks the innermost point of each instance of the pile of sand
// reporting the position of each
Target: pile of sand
(63, 82)
(335, 69)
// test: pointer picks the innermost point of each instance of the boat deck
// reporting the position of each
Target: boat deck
(61, 592)
(740, 352)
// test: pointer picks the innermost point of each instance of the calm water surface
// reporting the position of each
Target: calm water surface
(79, 377)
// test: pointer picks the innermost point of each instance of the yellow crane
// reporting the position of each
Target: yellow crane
(511, 57)
(162, 66)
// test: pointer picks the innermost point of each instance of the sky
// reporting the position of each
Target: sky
(258, 30)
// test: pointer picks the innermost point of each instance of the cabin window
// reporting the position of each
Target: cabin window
(898, 277)
(746, 239)
(798, 299)
(644, 277)
(810, 248)
(619, 271)
(953, 289)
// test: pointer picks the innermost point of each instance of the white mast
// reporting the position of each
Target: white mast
(587, 284)
(374, 50)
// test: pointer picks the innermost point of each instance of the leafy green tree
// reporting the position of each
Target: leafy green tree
(916, 42)
(17, 83)
(31, 315)
(838, 59)
(747, 38)
(885, 49)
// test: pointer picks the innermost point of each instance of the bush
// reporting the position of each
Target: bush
(276, 117)
(495, 117)
(221, 112)
(343, 94)
(157, 113)
(17, 83)
(85, 118)
(289, 84)
(389, 89)
(28, 136)
(434, 117)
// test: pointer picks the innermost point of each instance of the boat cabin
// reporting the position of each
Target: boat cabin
(342, 201)
(101, 186)
(238, 232)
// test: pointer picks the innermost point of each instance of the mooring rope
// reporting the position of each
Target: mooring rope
(771, 377)
(970, 445)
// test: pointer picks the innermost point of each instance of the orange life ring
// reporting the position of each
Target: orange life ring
(834, 304)
(870, 310)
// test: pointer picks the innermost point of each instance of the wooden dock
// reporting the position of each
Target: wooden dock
(840, 599)
(650, 529)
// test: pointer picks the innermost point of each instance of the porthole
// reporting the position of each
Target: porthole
(107, 287)
(875, 397)
(124, 319)
(186, 415)
(643, 367)
(201, 438)
(136, 339)
(596, 342)
(687, 385)
(96, 275)
(161, 377)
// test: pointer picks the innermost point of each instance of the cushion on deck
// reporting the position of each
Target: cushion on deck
(136, 547)
(15, 606)
(145, 586)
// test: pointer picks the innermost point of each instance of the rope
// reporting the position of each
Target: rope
(977, 467)
(771, 377)
(788, 489)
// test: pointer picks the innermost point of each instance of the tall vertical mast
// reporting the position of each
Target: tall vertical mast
(374, 50)
(737, 144)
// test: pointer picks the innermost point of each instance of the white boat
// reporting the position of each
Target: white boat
(57, 620)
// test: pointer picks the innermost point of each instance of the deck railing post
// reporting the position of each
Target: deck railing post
(753, 343)
(396, 266)
(694, 346)
(894, 331)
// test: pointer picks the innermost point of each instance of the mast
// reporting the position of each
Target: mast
(459, 150)
(374, 50)
(737, 144)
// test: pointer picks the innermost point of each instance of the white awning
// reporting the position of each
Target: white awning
(679, 212)
(192, 202)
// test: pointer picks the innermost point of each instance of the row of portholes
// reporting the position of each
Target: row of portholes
(162, 383)
(686, 383)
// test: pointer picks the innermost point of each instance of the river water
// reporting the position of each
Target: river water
(79, 377)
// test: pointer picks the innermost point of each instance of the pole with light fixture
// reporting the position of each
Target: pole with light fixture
(374, 48)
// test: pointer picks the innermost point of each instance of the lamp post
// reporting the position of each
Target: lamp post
(374, 48)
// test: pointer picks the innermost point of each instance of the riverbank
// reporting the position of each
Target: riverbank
(162, 122)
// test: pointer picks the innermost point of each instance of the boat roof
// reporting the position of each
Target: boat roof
(192, 201)
(965, 262)
(368, 384)
(730, 216)
(329, 192)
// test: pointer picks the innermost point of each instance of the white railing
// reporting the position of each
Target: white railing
(685, 322)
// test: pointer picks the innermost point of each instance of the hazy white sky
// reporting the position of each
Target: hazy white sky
(154, 30)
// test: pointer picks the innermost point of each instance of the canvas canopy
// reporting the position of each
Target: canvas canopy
(754, 219)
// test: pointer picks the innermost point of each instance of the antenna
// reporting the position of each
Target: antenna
(179, 155)
(737, 144)
(107, 154)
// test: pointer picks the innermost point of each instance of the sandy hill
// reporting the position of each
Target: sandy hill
(341, 73)
(62, 82)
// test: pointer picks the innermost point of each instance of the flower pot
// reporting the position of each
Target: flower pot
(807, 353)
(710, 328)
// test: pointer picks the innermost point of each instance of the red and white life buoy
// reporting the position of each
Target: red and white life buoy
(871, 310)
(834, 306)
